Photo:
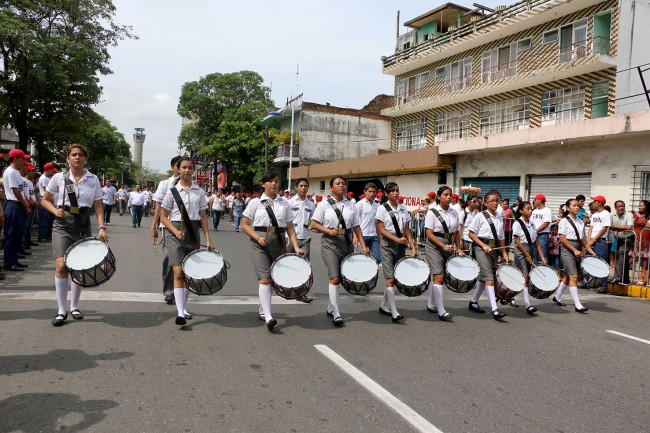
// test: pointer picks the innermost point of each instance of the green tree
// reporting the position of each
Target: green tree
(52, 52)
(224, 113)
(110, 153)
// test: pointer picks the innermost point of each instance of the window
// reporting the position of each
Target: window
(440, 72)
(509, 115)
(599, 99)
(458, 75)
(453, 124)
(499, 63)
(573, 41)
(411, 134)
(550, 36)
(524, 45)
(563, 105)
(408, 89)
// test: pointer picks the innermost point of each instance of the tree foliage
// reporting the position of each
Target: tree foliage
(52, 52)
(224, 113)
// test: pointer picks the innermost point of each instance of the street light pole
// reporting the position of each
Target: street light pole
(266, 150)
(290, 148)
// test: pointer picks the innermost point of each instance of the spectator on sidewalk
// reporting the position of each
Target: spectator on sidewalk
(622, 225)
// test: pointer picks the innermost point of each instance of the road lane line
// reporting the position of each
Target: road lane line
(631, 337)
(386, 397)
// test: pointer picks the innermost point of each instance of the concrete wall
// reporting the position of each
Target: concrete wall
(415, 186)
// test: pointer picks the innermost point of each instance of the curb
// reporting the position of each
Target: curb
(633, 291)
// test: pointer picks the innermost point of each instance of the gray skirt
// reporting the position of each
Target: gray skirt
(436, 257)
(178, 249)
(305, 246)
(570, 263)
(334, 249)
(488, 263)
(263, 257)
(391, 253)
(65, 232)
(520, 259)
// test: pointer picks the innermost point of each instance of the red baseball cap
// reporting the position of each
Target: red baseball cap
(30, 167)
(431, 194)
(362, 196)
(541, 197)
(17, 153)
(454, 195)
(319, 197)
(379, 194)
(48, 166)
(599, 198)
(400, 198)
(350, 194)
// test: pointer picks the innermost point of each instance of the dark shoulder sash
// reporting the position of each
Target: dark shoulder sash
(339, 215)
(575, 229)
(488, 218)
(82, 224)
(391, 212)
(268, 205)
(442, 221)
(526, 233)
(184, 214)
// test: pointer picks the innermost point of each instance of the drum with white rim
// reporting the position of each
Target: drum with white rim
(291, 276)
(205, 271)
(412, 276)
(461, 273)
(90, 262)
(595, 271)
(542, 281)
(359, 274)
(510, 282)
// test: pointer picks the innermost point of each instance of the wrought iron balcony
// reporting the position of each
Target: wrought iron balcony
(282, 153)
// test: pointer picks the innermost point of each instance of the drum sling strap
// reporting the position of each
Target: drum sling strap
(398, 232)
(274, 222)
(528, 238)
(339, 215)
(488, 218)
(575, 229)
(184, 215)
(74, 207)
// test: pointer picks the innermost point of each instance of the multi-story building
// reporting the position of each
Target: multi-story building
(539, 96)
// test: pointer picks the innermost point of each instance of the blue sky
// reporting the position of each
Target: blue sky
(338, 45)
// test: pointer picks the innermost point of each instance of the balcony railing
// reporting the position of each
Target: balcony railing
(458, 83)
(582, 49)
(283, 151)
(498, 72)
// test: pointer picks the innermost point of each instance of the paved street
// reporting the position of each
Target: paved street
(127, 368)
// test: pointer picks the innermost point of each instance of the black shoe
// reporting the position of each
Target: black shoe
(188, 316)
(602, 291)
(20, 265)
(169, 299)
(304, 298)
(26, 247)
(398, 318)
(498, 315)
(261, 316)
(32, 244)
(76, 314)
(25, 253)
(271, 324)
(512, 302)
(384, 312)
(614, 281)
(2, 276)
(445, 317)
(433, 310)
(14, 268)
(337, 321)
(560, 303)
(531, 310)
(473, 306)
(133, 225)
(21, 256)
(329, 313)
(59, 319)
(180, 320)
(581, 310)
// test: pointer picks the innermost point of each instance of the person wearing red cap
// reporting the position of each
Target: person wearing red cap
(30, 195)
(542, 218)
(455, 203)
(45, 219)
(16, 210)
(601, 221)
(351, 198)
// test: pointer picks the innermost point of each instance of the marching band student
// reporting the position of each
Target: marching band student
(393, 228)
(76, 192)
(571, 230)
(366, 209)
(183, 210)
(601, 221)
(337, 220)
(466, 219)
(542, 218)
(524, 234)
(486, 233)
(303, 210)
(265, 220)
(441, 224)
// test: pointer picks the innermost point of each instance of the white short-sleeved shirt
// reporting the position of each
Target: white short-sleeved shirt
(42, 184)
(137, 198)
(402, 215)
(162, 189)
(217, 202)
(122, 193)
(540, 216)
(87, 191)
(109, 194)
(325, 215)
(465, 224)
(366, 212)
(450, 217)
(598, 221)
(257, 213)
(517, 231)
(499, 211)
(457, 207)
(303, 210)
(25, 189)
(565, 228)
(193, 198)
(12, 179)
(231, 198)
(482, 229)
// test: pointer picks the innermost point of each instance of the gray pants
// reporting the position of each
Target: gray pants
(622, 268)
(305, 246)
(167, 274)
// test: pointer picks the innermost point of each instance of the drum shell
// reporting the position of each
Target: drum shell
(98, 274)
(415, 290)
(292, 292)
(538, 293)
(206, 286)
(360, 288)
(591, 281)
(457, 285)
(502, 291)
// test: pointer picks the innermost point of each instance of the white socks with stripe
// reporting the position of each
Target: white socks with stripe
(438, 289)
(333, 306)
(574, 295)
(265, 292)
(61, 287)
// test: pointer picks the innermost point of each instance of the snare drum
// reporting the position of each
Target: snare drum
(542, 281)
(205, 271)
(90, 262)
(461, 273)
(359, 274)
(412, 276)
(595, 271)
(510, 281)
(291, 276)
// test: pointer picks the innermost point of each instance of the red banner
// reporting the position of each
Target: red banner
(203, 176)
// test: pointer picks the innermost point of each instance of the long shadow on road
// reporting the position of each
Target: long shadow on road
(65, 360)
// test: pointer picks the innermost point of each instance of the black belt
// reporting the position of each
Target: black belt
(489, 242)
(76, 210)
(271, 229)
(601, 240)
(447, 236)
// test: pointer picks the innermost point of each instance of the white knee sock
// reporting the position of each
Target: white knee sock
(491, 297)
(390, 294)
(526, 297)
(334, 299)
(574, 296)
(560, 291)
(179, 295)
(187, 296)
(61, 287)
(438, 288)
(431, 301)
(478, 292)
(75, 293)
(265, 292)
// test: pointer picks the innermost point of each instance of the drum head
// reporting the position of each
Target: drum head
(412, 271)
(359, 268)
(463, 268)
(203, 264)
(544, 278)
(511, 277)
(291, 270)
(595, 267)
(86, 254)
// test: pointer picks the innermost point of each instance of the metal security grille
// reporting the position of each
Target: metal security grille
(559, 188)
(640, 184)
(507, 186)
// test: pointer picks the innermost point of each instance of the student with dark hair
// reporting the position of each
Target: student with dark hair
(367, 210)
(16, 211)
(303, 210)
(525, 237)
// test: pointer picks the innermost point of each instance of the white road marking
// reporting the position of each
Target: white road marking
(631, 337)
(374, 388)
